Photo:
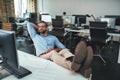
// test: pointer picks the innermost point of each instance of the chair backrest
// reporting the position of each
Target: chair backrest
(57, 23)
(98, 34)
(58, 17)
(11, 19)
(98, 24)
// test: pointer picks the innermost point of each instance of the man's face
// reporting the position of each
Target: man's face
(42, 28)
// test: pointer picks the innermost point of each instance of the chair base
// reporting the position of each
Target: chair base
(98, 55)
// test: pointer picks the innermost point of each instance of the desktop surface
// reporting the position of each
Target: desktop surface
(112, 30)
(43, 69)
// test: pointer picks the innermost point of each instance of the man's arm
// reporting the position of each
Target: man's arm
(56, 49)
(32, 29)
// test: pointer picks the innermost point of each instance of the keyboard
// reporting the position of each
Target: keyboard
(18, 72)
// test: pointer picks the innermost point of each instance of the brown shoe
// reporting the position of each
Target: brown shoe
(86, 67)
(87, 73)
(80, 54)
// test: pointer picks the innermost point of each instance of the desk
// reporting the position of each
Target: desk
(87, 32)
(43, 69)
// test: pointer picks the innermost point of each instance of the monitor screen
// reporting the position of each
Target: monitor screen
(80, 19)
(117, 22)
(46, 18)
(68, 19)
(8, 48)
(110, 22)
(117, 19)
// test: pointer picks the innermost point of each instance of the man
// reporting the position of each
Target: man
(45, 48)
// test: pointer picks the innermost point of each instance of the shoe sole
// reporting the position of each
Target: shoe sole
(80, 54)
(86, 69)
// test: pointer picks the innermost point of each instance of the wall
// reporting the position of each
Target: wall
(95, 7)
(31, 6)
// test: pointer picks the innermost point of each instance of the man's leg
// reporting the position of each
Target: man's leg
(57, 58)
(46, 56)
(65, 53)
(80, 55)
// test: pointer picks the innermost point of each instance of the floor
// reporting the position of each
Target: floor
(100, 71)
(110, 70)
(25, 45)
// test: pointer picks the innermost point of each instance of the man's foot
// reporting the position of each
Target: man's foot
(80, 54)
(87, 73)
(86, 67)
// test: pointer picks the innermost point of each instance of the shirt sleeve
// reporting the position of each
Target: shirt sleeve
(31, 30)
(58, 43)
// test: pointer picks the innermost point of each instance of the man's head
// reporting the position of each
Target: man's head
(42, 27)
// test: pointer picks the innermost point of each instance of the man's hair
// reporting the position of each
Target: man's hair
(43, 22)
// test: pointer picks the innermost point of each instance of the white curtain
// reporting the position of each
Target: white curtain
(20, 7)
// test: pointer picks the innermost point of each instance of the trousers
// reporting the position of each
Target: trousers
(60, 58)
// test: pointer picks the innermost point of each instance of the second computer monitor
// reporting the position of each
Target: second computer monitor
(117, 19)
(110, 22)
(80, 19)
(46, 18)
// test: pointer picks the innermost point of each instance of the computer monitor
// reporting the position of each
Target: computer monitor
(8, 46)
(46, 18)
(9, 54)
(80, 19)
(67, 19)
(117, 18)
(110, 22)
(98, 24)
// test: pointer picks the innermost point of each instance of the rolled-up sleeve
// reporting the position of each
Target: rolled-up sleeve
(31, 30)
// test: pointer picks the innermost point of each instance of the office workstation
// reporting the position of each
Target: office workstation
(97, 23)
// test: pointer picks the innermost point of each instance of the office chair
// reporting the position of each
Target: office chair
(98, 39)
(98, 24)
(98, 34)
(57, 23)
(58, 17)
(59, 33)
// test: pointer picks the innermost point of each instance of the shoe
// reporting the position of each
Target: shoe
(80, 54)
(86, 67)
(87, 73)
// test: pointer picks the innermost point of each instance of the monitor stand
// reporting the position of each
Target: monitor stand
(19, 72)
